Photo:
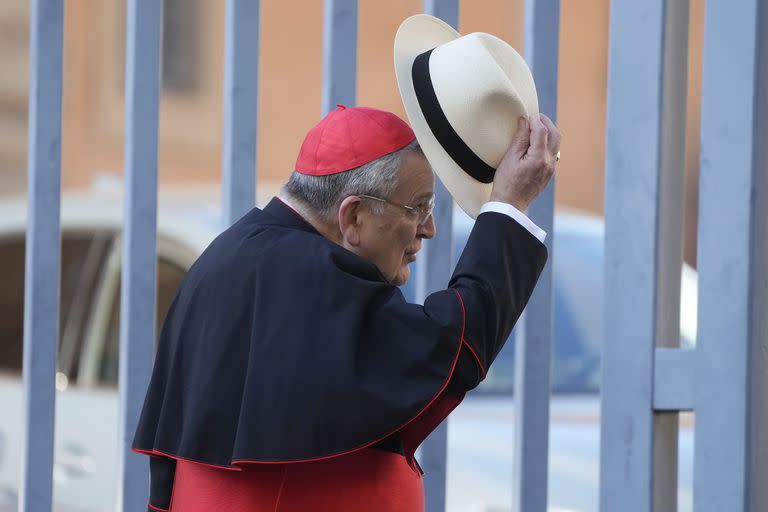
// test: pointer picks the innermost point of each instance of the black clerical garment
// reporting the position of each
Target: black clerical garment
(283, 346)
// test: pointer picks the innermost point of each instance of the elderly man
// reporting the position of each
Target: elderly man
(291, 373)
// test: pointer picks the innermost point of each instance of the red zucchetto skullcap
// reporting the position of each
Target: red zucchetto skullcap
(349, 137)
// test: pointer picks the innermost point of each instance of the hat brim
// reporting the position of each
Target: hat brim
(416, 35)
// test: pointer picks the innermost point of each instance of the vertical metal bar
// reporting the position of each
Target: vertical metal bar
(669, 249)
(241, 94)
(633, 158)
(534, 334)
(41, 278)
(137, 308)
(731, 256)
(339, 54)
(437, 265)
(758, 357)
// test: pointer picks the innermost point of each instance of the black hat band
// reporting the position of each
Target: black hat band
(441, 128)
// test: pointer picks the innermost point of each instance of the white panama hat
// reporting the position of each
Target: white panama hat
(463, 96)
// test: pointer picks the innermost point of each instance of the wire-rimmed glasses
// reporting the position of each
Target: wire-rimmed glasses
(421, 212)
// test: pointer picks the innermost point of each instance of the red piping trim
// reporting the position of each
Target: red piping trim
(158, 453)
(479, 362)
(463, 313)
(150, 505)
(366, 445)
(464, 340)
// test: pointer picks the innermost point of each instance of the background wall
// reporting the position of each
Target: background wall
(290, 76)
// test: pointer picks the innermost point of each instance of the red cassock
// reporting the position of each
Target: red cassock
(367, 479)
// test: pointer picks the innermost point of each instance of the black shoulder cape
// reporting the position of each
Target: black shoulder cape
(282, 346)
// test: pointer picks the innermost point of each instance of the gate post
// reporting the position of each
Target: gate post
(533, 334)
(42, 265)
(339, 54)
(241, 98)
(730, 467)
(137, 293)
(435, 270)
(643, 227)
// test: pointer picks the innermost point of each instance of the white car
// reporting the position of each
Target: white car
(85, 467)
(480, 430)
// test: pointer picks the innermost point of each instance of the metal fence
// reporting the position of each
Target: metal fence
(647, 378)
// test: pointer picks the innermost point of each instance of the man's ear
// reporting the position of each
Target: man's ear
(349, 220)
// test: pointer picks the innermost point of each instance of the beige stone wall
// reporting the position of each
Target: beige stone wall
(290, 76)
(14, 83)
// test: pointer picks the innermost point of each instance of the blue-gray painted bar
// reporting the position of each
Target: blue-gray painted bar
(633, 156)
(137, 309)
(669, 249)
(758, 464)
(732, 254)
(41, 278)
(758, 371)
(437, 272)
(339, 54)
(533, 337)
(435, 268)
(673, 379)
(241, 82)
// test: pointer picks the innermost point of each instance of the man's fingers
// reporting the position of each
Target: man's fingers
(521, 139)
(538, 135)
(553, 134)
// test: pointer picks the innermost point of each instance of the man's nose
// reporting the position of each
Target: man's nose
(428, 229)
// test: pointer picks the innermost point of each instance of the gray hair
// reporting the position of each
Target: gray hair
(324, 194)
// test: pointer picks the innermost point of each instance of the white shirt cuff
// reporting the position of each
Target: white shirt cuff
(517, 215)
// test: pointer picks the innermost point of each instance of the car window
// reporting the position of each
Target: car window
(11, 305)
(82, 262)
(82, 257)
(169, 277)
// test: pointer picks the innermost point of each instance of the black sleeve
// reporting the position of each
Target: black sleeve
(494, 279)
(161, 473)
(467, 374)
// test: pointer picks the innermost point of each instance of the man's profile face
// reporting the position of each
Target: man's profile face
(392, 239)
